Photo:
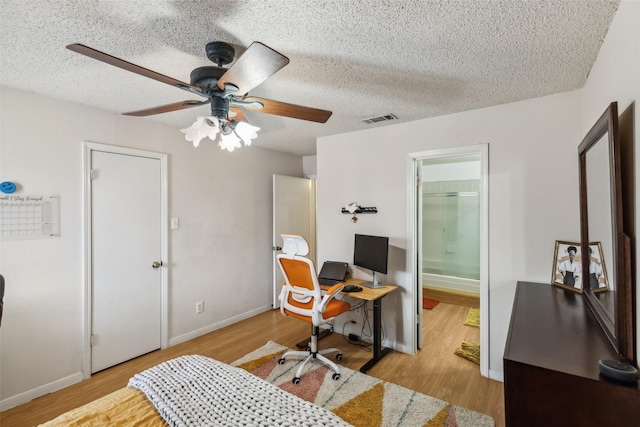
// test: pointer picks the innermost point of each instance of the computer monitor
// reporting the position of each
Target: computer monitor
(371, 252)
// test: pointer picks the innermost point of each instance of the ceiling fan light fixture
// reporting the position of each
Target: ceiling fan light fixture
(225, 89)
(228, 134)
(246, 132)
(229, 141)
(203, 127)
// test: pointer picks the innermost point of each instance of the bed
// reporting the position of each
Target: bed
(196, 391)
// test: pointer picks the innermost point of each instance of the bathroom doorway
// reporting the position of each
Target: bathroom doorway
(449, 230)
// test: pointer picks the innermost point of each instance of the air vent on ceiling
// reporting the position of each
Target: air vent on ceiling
(380, 118)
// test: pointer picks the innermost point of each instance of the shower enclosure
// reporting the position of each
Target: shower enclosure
(451, 225)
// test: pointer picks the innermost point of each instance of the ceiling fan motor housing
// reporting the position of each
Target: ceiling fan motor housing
(207, 78)
(220, 107)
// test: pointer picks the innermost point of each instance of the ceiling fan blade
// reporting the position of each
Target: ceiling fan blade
(128, 66)
(288, 110)
(166, 108)
(238, 115)
(257, 64)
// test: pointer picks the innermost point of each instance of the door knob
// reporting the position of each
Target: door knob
(157, 264)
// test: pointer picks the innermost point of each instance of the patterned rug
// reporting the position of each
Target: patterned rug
(357, 398)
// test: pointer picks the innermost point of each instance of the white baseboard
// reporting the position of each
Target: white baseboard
(210, 328)
(447, 283)
(34, 393)
(496, 375)
(397, 347)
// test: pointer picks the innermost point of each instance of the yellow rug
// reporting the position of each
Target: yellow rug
(473, 317)
(358, 399)
(470, 350)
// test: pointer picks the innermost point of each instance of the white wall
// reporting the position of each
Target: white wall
(533, 179)
(533, 171)
(223, 201)
(615, 76)
(309, 167)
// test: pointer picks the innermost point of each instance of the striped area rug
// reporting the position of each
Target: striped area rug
(359, 399)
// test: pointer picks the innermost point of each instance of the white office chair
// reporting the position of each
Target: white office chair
(302, 298)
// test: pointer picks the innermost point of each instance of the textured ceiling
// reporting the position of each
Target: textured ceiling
(413, 58)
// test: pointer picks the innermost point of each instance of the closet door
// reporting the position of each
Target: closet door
(126, 251)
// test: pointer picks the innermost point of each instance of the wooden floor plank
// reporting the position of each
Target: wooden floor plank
(434, 371)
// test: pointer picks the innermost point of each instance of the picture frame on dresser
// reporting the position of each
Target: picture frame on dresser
(567, 266)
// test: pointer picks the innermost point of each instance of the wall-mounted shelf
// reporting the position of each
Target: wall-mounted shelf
(361, 210)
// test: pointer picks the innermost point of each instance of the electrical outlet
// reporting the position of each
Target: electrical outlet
(199, 307)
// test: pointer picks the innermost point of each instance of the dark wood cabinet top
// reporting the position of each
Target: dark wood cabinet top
(552, 328)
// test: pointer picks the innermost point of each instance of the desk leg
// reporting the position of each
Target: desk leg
(378, 351)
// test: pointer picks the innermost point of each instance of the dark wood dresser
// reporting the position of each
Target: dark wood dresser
(551, 375)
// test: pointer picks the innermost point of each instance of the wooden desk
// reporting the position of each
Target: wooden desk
(375, 295)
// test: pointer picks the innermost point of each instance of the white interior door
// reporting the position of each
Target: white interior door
(126, 239)
(294, 208)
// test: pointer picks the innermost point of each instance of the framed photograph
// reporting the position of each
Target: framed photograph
(597, 277)
(567, 270)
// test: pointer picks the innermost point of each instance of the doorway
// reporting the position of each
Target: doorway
(449, 230)
(294, 212)
(126, 251)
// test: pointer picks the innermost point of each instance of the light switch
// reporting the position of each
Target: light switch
(175, 223)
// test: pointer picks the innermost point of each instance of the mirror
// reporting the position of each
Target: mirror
(605, 264)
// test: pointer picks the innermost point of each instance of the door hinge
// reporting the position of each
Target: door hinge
(92, 175)
(417, 181)
(91, 340)
(418, 318)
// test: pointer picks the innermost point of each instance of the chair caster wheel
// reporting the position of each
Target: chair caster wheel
(296, 380)
(335, 376)
(307, 349)
(281, 361)
(339, 357)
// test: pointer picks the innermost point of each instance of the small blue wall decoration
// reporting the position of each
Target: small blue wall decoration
(7, 187)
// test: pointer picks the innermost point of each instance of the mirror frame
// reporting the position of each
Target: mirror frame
(618, 326)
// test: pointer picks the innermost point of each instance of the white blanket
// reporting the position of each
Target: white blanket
(199, 391)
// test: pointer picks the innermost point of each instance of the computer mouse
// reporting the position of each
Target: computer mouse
(352, 288)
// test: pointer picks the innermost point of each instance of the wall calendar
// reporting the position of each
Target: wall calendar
(28, 217)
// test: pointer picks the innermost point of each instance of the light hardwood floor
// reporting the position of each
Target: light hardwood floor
(434, 371)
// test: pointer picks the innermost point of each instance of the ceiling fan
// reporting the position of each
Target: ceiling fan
(225, 89)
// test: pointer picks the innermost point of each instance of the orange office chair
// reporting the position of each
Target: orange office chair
(302, 298)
